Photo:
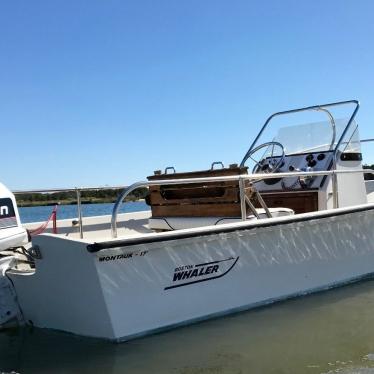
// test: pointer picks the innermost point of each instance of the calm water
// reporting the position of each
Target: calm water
(331, 332)
(41, 213)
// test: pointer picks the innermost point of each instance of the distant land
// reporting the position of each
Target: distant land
(70, 198)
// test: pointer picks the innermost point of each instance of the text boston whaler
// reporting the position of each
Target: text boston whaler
(189, 274)
(215, 241)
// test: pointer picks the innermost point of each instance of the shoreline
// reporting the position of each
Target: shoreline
(28, 204)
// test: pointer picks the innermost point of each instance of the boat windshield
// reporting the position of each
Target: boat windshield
(332, 125)
(310, 137)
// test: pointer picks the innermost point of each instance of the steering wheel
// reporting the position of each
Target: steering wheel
(268, 164)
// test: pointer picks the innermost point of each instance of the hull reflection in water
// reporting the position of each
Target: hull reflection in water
(324, 333)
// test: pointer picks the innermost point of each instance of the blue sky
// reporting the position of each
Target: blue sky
(104, 92)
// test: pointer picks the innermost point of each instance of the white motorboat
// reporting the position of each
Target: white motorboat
(215, 241)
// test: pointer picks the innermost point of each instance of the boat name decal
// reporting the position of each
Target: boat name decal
(190, 274)
(122, 256)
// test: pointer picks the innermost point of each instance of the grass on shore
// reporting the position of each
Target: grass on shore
(69, 197)
(25, 204)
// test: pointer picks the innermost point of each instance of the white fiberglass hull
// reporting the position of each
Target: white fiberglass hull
(158, 281)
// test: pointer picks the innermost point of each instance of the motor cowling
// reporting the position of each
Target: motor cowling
(12, 234)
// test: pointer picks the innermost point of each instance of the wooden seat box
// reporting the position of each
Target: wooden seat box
(208, 199)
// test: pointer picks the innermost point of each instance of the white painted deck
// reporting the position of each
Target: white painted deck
(98, 227)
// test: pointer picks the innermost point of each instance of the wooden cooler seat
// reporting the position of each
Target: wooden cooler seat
(190, 205)
(208, 199)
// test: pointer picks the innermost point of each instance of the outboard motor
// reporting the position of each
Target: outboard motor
(12, 234)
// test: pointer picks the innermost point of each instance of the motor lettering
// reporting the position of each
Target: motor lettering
(4, 210)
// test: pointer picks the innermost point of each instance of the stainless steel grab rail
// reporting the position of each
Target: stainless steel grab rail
(333, 125)
(240, 178)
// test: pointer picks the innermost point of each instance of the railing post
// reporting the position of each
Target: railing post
(79, 207)
(335, 192)
(243, 208)
(54, 220)
(334, 177)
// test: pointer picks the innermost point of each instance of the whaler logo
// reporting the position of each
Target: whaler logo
(190, 274)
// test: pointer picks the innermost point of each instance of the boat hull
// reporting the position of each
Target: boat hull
(133, 288)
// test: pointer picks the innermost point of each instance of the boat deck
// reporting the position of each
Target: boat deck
(98, 227)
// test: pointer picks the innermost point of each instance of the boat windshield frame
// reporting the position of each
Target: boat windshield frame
(321, 108)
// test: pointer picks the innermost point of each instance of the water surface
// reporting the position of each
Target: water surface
(41, 213)
(330, 332)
